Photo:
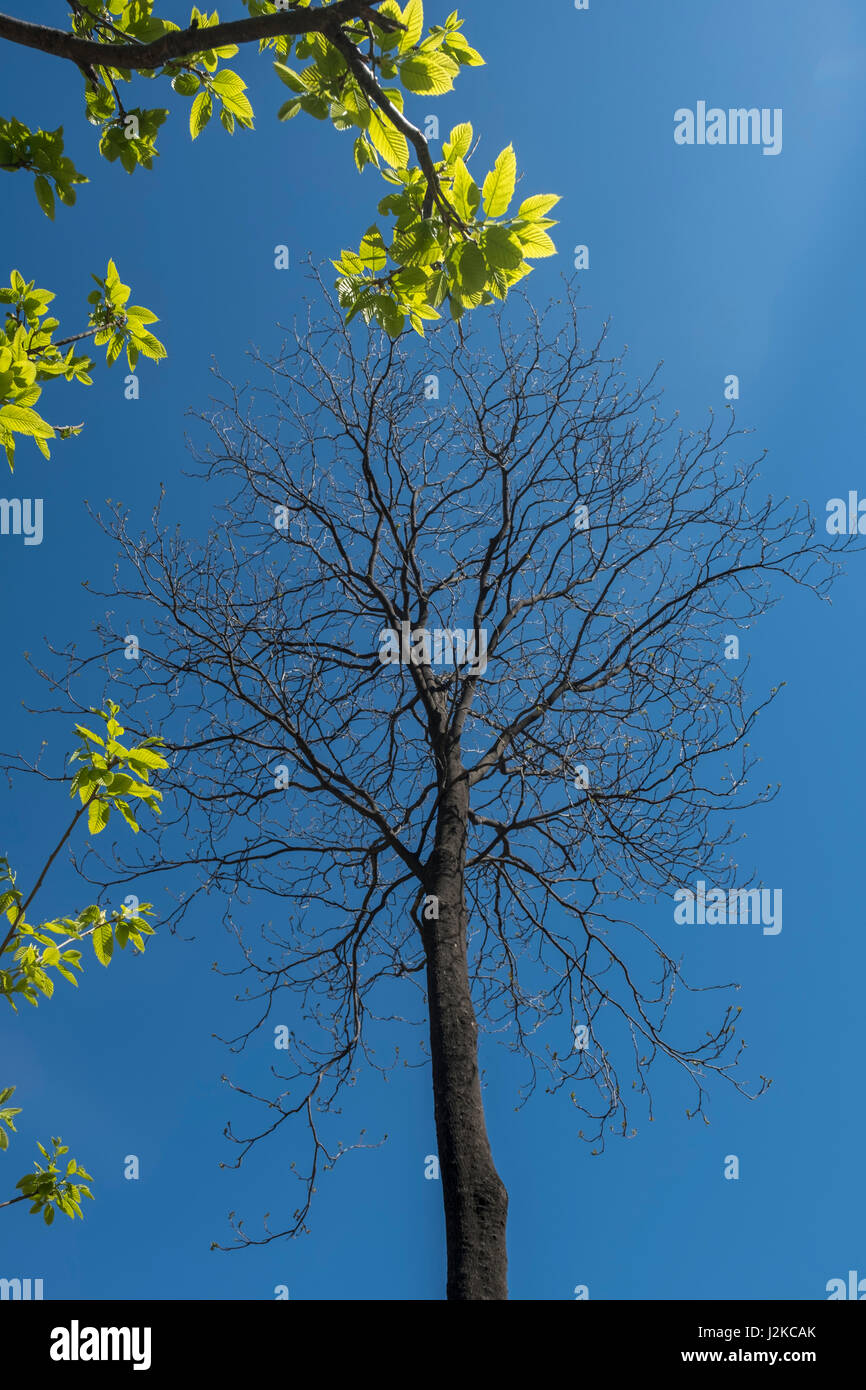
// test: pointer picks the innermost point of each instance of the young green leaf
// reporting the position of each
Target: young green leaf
(103, 943)
(499, 185)
(465, 193)
(98, 813)
(413, 18)
(538, 206)
(44, 195)
(429, 74)
(536, 242)
(459, 142)
(390, 143)
(502, 249)
(200, 113)
(373, 253)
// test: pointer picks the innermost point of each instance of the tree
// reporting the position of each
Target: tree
(446, 692)
(111, 777)
(450, 240)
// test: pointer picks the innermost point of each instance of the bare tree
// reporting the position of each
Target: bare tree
(553, 568)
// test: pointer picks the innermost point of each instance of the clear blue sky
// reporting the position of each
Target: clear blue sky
(718, 260)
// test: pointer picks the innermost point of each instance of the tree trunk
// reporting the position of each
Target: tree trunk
(476, 1202)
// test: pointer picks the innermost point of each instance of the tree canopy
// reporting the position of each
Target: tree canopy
(445, 690)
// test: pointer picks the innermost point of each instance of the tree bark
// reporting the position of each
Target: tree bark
(475, 1199)
(186, 43)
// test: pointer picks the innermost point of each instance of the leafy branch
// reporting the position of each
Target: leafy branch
(111, 777)
(358, 62)
(30, 355)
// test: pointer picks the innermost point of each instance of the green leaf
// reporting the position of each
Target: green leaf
(98, 813)
(290, 78)
(43, 982)
(115, 348)
(459, 142)
(465, 193)
(200, 113)
(463, 51)
(538, 206)
(471, 268)
(413, 18)
(429, 74)
(389, 316)
(128, 816)
(536, 242)
(389, 142)
(103, 943)
(316, 107)
(140, 314)
(45, 195)
(389, 8)
(25, 421)
(437, 288)
(502, 248)
(230, 89)
(149, 346)
(145, 757)
(363, 154)
(86, 733)
(373, 253)
(499, 185)
(186, 83)
(418, 245)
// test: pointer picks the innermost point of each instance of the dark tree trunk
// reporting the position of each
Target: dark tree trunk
(476, 1202)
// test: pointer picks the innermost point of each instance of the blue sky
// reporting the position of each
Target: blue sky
(716, 259)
